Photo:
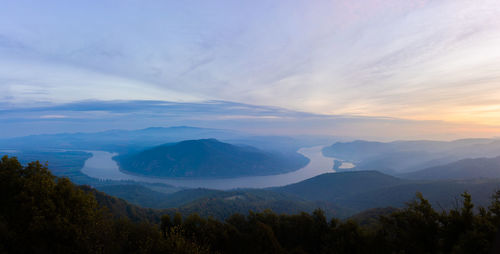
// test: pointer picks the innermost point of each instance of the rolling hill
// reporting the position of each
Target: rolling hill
(362, 190)
(216, 203)
(339, 194)
(331, 186)
(463, 169)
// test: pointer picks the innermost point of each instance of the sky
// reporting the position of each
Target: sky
(417, 61)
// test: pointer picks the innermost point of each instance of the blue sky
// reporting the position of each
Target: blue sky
(414, 60)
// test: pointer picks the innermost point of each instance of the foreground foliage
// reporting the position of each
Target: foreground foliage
(44, 214)
(41, 213)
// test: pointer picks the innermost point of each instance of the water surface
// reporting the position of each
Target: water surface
(102, 166)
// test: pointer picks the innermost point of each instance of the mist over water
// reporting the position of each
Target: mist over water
(102, 166)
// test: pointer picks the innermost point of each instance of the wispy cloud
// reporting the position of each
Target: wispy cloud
(53, 116)
(85, 116)
(406, 59)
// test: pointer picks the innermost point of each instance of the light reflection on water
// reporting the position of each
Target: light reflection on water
(102, 166)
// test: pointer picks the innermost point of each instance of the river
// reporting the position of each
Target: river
(102, 166)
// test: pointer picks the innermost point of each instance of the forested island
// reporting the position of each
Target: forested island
(208, 158)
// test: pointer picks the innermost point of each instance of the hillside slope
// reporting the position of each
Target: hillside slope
(361, 190)
(330, 186)
(463, 169)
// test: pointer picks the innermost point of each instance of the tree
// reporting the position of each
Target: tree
(166, 224)
(414, 229)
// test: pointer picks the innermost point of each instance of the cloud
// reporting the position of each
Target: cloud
(405, 59)
(88, 116)
(53, 116)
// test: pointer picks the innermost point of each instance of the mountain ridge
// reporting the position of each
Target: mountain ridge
(459, 170)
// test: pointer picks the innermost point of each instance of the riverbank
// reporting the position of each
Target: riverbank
(102, 166)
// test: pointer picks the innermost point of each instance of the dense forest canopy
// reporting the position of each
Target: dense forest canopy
(41, 213)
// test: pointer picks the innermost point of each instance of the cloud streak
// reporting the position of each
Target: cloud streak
(88, 116)
(431, 60)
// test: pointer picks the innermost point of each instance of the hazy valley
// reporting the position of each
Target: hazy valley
(205, 175)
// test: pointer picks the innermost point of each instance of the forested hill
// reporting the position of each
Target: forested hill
(209, 158)
(44, 214)
(361, 190)
(463, 169)
(339, 194)
(333, 185)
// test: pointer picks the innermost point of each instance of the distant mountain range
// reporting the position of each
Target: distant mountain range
(208, 158)
(127, 141)
(115, 140)
(406, 156)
